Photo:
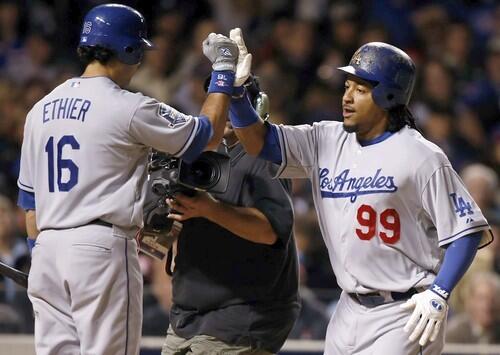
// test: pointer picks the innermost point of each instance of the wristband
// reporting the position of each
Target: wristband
(221, 82)
(440, 291)
(31, 243)
(238, 92)
(241, 113)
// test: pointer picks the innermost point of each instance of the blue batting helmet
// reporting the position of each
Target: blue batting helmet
(118, 28)
(388, 68)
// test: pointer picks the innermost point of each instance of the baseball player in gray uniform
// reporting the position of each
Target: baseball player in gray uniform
(399, 225)
(83, 168)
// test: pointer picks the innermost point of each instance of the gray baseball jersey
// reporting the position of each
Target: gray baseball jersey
(85, 149)
(383, 208)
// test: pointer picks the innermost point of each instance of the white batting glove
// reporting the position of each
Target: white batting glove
(429, 311)
(222, 52)
(244, 58)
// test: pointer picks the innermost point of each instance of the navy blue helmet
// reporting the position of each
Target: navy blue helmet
(118, 28)
(388, 68)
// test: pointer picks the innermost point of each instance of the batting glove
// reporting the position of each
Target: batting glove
(429, 311)
(222, 52)
(244, 58)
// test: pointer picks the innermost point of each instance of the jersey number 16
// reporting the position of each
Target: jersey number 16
(61, 164)
(389, 219)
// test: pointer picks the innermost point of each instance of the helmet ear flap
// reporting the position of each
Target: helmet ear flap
(131, 54)
(384, 97)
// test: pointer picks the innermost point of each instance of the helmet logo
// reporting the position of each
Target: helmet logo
(356, 59)
(87, 27)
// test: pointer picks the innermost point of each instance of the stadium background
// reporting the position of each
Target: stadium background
(296, 46)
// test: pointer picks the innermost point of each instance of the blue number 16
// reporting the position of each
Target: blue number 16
(62, 163)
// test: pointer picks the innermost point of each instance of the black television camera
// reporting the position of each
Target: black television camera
(168, 175)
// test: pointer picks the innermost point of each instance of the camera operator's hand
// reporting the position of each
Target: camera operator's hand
(185, 207)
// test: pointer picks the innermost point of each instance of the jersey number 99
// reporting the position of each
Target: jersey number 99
(62, 163)
(389, 219)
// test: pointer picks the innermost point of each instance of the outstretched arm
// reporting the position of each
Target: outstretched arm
(254, 134)
(223, 53)
(215, 108)
(249, 127)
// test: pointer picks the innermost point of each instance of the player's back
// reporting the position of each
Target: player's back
(83, 162)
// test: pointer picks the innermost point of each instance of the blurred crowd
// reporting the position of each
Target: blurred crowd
(297, 46)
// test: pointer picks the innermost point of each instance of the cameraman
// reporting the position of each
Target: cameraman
(235, 281)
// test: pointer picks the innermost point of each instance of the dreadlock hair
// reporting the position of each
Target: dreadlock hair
(399, 117)
(88, 54)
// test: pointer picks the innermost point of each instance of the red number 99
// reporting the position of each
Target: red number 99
(389, 219)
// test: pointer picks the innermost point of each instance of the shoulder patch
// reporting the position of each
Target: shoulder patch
(174, 117)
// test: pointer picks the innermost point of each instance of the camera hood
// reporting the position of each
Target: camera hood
(210, 172)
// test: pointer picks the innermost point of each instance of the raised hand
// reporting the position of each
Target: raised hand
(244, 64)
(221, 51)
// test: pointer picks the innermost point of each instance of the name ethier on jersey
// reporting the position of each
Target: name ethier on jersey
(72, 108)
(343, 185)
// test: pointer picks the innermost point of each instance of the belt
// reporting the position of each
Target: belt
(100, 222)
(374, 299)
(97, 221)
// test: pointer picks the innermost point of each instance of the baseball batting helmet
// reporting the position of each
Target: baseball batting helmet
(118, 28)
(391, 71)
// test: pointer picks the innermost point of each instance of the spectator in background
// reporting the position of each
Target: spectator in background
(10, 321)
(190, 72)
(430, 23)
(152, 78)
(313, 317)
(13, 249)
(374, 32)
(456, 51)
(157, 299)
(10, 38)
(480, 324)
(482, 96)
(482, 183)
(33, 60)
(15, 308)
(439, 127)
(437, 86)
(272, 77)
(344, 27)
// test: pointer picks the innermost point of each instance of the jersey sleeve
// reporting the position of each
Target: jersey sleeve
(451, 208)
(26, 180)
(298, 150)
(162, 127)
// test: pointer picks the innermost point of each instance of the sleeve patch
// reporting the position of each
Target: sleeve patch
(462, 206)
(174, 117)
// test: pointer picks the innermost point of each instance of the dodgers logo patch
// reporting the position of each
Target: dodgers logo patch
(174, 117)
(343, 185)
(462, 206)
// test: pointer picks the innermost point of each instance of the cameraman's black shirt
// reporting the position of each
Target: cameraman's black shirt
(240, 292)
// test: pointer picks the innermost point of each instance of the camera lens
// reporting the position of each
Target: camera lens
(203, 173)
